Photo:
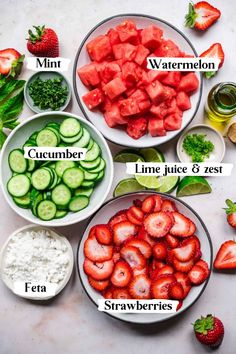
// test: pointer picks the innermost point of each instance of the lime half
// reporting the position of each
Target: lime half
(128, 155)
(168, 183)
(152, 155)
(192, 185)
(127, 185)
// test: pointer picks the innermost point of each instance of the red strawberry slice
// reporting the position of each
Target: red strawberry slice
(103, 234)
(143, 235)
(92, 232)
(98, 270)
(121, 293)
(201, 15)
(148, 205)
(181, 225)
(158, 203)
(108, 293)
(122, 274)
(198, 255)
(167, 269)
(197, 275)
(192, 228)
(142, 245)
(132, 219)
(11, 62)
(226, 256)
(136, 212)
(133, 256)
(172, 241)
(98, 285)
(204, 265)
(180, 304)
(139, 288)
(183, 266)
(118, 217)
(159, 251)
(160, 286)
(169, 257)
(190, 239)
(185, 253)
(176, 291)
(183, 279)
(158, 224)
(97, 252)
(123, 231)
(138, 203)
(168, 206)
(139, 271)
(116, 257)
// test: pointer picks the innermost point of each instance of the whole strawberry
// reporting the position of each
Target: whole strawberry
(209, 330)
(231, 212)
(43, 43)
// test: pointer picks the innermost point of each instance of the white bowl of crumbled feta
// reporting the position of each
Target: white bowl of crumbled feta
(36, 262)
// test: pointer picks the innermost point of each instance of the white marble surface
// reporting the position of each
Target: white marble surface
(70, 323)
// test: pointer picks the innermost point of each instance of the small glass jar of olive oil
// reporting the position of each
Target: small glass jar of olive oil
(221, 102)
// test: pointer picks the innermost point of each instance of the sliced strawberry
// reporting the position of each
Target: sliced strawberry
(139, 288)
(103, 234)
(168, 206)
(98, 270)
(148, 205)
(132, 219)
(192, 228)
(121, 275)
(118, 217)
(158, 224)
(198, 255)
(176, 291)
(143, 235)
(167, 269)
(116, 256)
(121, 293)
(172, 241)
(201, 15)
(139, 271)
(197, 275)
(11, 62)
(180, 304)
(190, 239)
(98, 285)
(142, 245)
(158, 203)
(183, 266)
(133, 256)
(108, 293)
(181, 225)
(160, 251)
(92, 232)
(183, 279)
(185, 253)
(138, 203)
(160, 286)
(123, 231)
(204, 265)
(226, 256)
(136, 212)
(170, 256)
(97, 252)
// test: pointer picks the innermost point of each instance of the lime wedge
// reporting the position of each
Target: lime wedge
(127, 185)
(127, 155)
(167, 183)
(150, 182)
(152, 155)
(193, 185)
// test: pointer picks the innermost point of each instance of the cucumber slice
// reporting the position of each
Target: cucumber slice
(61, 195)
(23, 202)
(46, 210)
(78, 202)
(73, 177)
(54, 180)
(60, 214)
(41, 178)
(17, 162)
(53, 125)
(70, 127)
(31, 165)
(34, 203)
(73, 139)
(91, 165)
(90, 144)
(55, 131)
(90, 176)
(100, 176)
(84, 140)
(47, 195)
(87, 184)
(100, 167)
(47, 138)
(81, 191)
(18, 185)
(61, 166)
(93, 153)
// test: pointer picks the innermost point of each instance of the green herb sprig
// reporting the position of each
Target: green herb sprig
(197, 147)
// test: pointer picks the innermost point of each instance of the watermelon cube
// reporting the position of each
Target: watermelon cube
(127, 32)
(156, 92)
(144, 105)
(129, 73)
(89, 75)
(141, 54)
(113, 36)
(124, 51)
(137, 127)
(156, 75)
(93, 98)
(156, 127)
(114, 88)
(139, 95)
(113, 117)
(128, 107)
(189, 83)
(183, 101)
(109, 71)
(168, 48)
(172, 79)
(173, 121)
(151, 37)
(99, 48)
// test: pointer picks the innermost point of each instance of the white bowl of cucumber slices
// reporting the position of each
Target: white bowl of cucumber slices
(62, 192)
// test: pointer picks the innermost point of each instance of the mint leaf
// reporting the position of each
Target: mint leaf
(2, 138)
(11, 108)
(9, 87)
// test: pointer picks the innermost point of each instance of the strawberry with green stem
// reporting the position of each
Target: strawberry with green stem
(231, 212)
(209, 330)
(201, 15)
(43, 43)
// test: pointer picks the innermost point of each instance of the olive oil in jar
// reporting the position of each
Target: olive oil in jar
(221, 102)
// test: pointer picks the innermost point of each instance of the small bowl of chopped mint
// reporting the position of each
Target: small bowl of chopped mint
(47, 91)
(201, 143)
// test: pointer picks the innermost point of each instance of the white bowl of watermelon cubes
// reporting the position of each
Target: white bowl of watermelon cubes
(145, 246)
(60, 192)
(130, 104)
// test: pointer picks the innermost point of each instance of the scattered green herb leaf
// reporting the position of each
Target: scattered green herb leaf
(197, 147)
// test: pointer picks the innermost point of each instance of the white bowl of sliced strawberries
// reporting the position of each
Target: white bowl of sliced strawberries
(145, 246)
(130, 104)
